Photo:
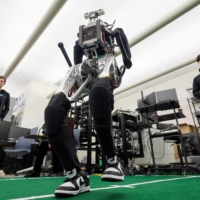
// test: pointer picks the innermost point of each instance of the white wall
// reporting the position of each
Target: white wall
(36, 103)
(20, 104)
(180, 83)
(11, 107)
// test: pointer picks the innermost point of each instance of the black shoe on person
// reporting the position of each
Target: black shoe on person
(80, 183)
(32, 174)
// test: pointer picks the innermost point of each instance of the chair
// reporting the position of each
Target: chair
(22, 147)
(174, 138)
(193, 147)
(45, 168)
(81, 139)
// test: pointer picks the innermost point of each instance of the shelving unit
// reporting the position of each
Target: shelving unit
(192, 102)
(167, 105)
(81, 114)
(127, 125)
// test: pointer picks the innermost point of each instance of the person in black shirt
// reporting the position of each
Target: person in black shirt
(4, 99)
(196, 82)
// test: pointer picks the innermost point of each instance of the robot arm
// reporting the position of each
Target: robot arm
(124, 46)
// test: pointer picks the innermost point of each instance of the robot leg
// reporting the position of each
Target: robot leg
(124, 46)
(101, 104)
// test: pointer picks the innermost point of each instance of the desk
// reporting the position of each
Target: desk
(33, 147)
(36, 137)
(170, 116)
(174, 132)
(7, 144)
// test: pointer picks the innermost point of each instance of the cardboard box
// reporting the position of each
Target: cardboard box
(176, 153)
(187, 128)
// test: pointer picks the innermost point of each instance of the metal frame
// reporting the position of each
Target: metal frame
(126, 154)
(184, 168)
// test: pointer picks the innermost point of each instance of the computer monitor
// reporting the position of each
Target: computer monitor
(167, 95)
(4, 130)
(16, 132)
(150, 101)
(34, 131)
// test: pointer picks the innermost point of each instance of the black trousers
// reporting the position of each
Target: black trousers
(42, 151)
(101, 102)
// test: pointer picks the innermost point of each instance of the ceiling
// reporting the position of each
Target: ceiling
(44, 62)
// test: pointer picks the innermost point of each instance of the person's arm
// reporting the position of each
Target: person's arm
(7, 106)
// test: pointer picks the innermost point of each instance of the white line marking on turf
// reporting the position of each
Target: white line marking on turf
(112, 187)
(35, 197)
(20, 179)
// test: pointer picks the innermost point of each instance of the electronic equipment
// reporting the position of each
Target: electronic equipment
(4, 130)
(194, 140)
(148, 101)
(34, 131)
(162, 126)
(96, 38)
(163, 152)
(132, 141)
(16, 132)
(167, 95)
(155, 100)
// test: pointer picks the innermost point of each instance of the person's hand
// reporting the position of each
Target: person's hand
(49, 146)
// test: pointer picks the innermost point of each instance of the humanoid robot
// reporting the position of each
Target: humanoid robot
(97, 43)
(97, 76)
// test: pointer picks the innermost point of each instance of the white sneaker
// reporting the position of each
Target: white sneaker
(73, 186)
(113, 173)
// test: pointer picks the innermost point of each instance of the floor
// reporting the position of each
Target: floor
(140, 187)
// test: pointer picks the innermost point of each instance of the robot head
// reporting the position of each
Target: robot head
(96, 38)
(94, 14)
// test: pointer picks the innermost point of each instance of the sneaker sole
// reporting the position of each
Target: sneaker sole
(64, 193)
(112, 178)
